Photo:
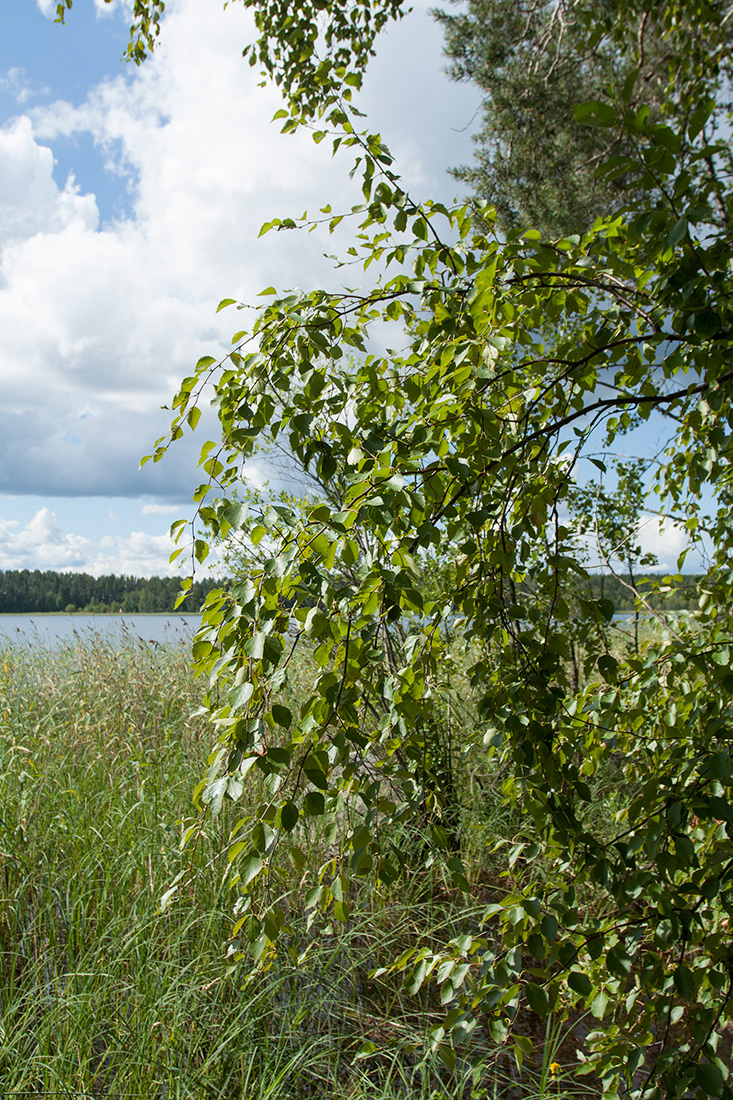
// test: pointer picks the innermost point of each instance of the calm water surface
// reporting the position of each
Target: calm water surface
(55, 630)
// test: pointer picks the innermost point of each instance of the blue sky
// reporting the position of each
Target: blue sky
(130, 204)
(41, 62)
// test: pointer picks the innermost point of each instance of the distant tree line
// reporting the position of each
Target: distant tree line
(620, 592)
(25, 591)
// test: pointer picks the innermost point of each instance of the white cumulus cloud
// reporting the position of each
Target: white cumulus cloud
(42, 544)
(30, 201)
(159, 509)
(98, 323)
(666, 540)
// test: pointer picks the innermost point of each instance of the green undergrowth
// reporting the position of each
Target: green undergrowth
(102, 995)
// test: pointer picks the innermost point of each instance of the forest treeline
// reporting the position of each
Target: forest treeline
(33, 591)
(25, 591)
(619, 590)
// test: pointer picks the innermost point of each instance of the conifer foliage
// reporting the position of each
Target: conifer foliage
(535, 62)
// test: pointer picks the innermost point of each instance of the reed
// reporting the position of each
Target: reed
(104, 996)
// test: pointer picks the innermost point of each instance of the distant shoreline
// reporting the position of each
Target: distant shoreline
(98, 614)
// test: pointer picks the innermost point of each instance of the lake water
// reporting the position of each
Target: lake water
(56, 630)
(175, 630)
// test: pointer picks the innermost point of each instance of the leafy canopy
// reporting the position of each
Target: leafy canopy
(515, 353)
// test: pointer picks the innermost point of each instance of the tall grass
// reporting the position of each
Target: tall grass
(103, 996)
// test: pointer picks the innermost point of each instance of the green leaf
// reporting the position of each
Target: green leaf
(709, 1078)
(629, 84)
(213, 794)
(580, 983)
(595, 113)
(619, 962)
(537, 998)
(254, 647)
(599, 1005)
(239, 696)
(236, 515)
(315, 622)
(289, 815)
(282, 715)
(699, 117)
(707, 323)
(420, 229)
(684, 981)
(249, 868)
(549, 927)
(313, 804)
(677, 233)
(447, 1056)
(315, 772)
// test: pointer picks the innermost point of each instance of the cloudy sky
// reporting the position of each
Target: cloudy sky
(130, 203)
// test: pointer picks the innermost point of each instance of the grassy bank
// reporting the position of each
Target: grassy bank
(102, 995)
